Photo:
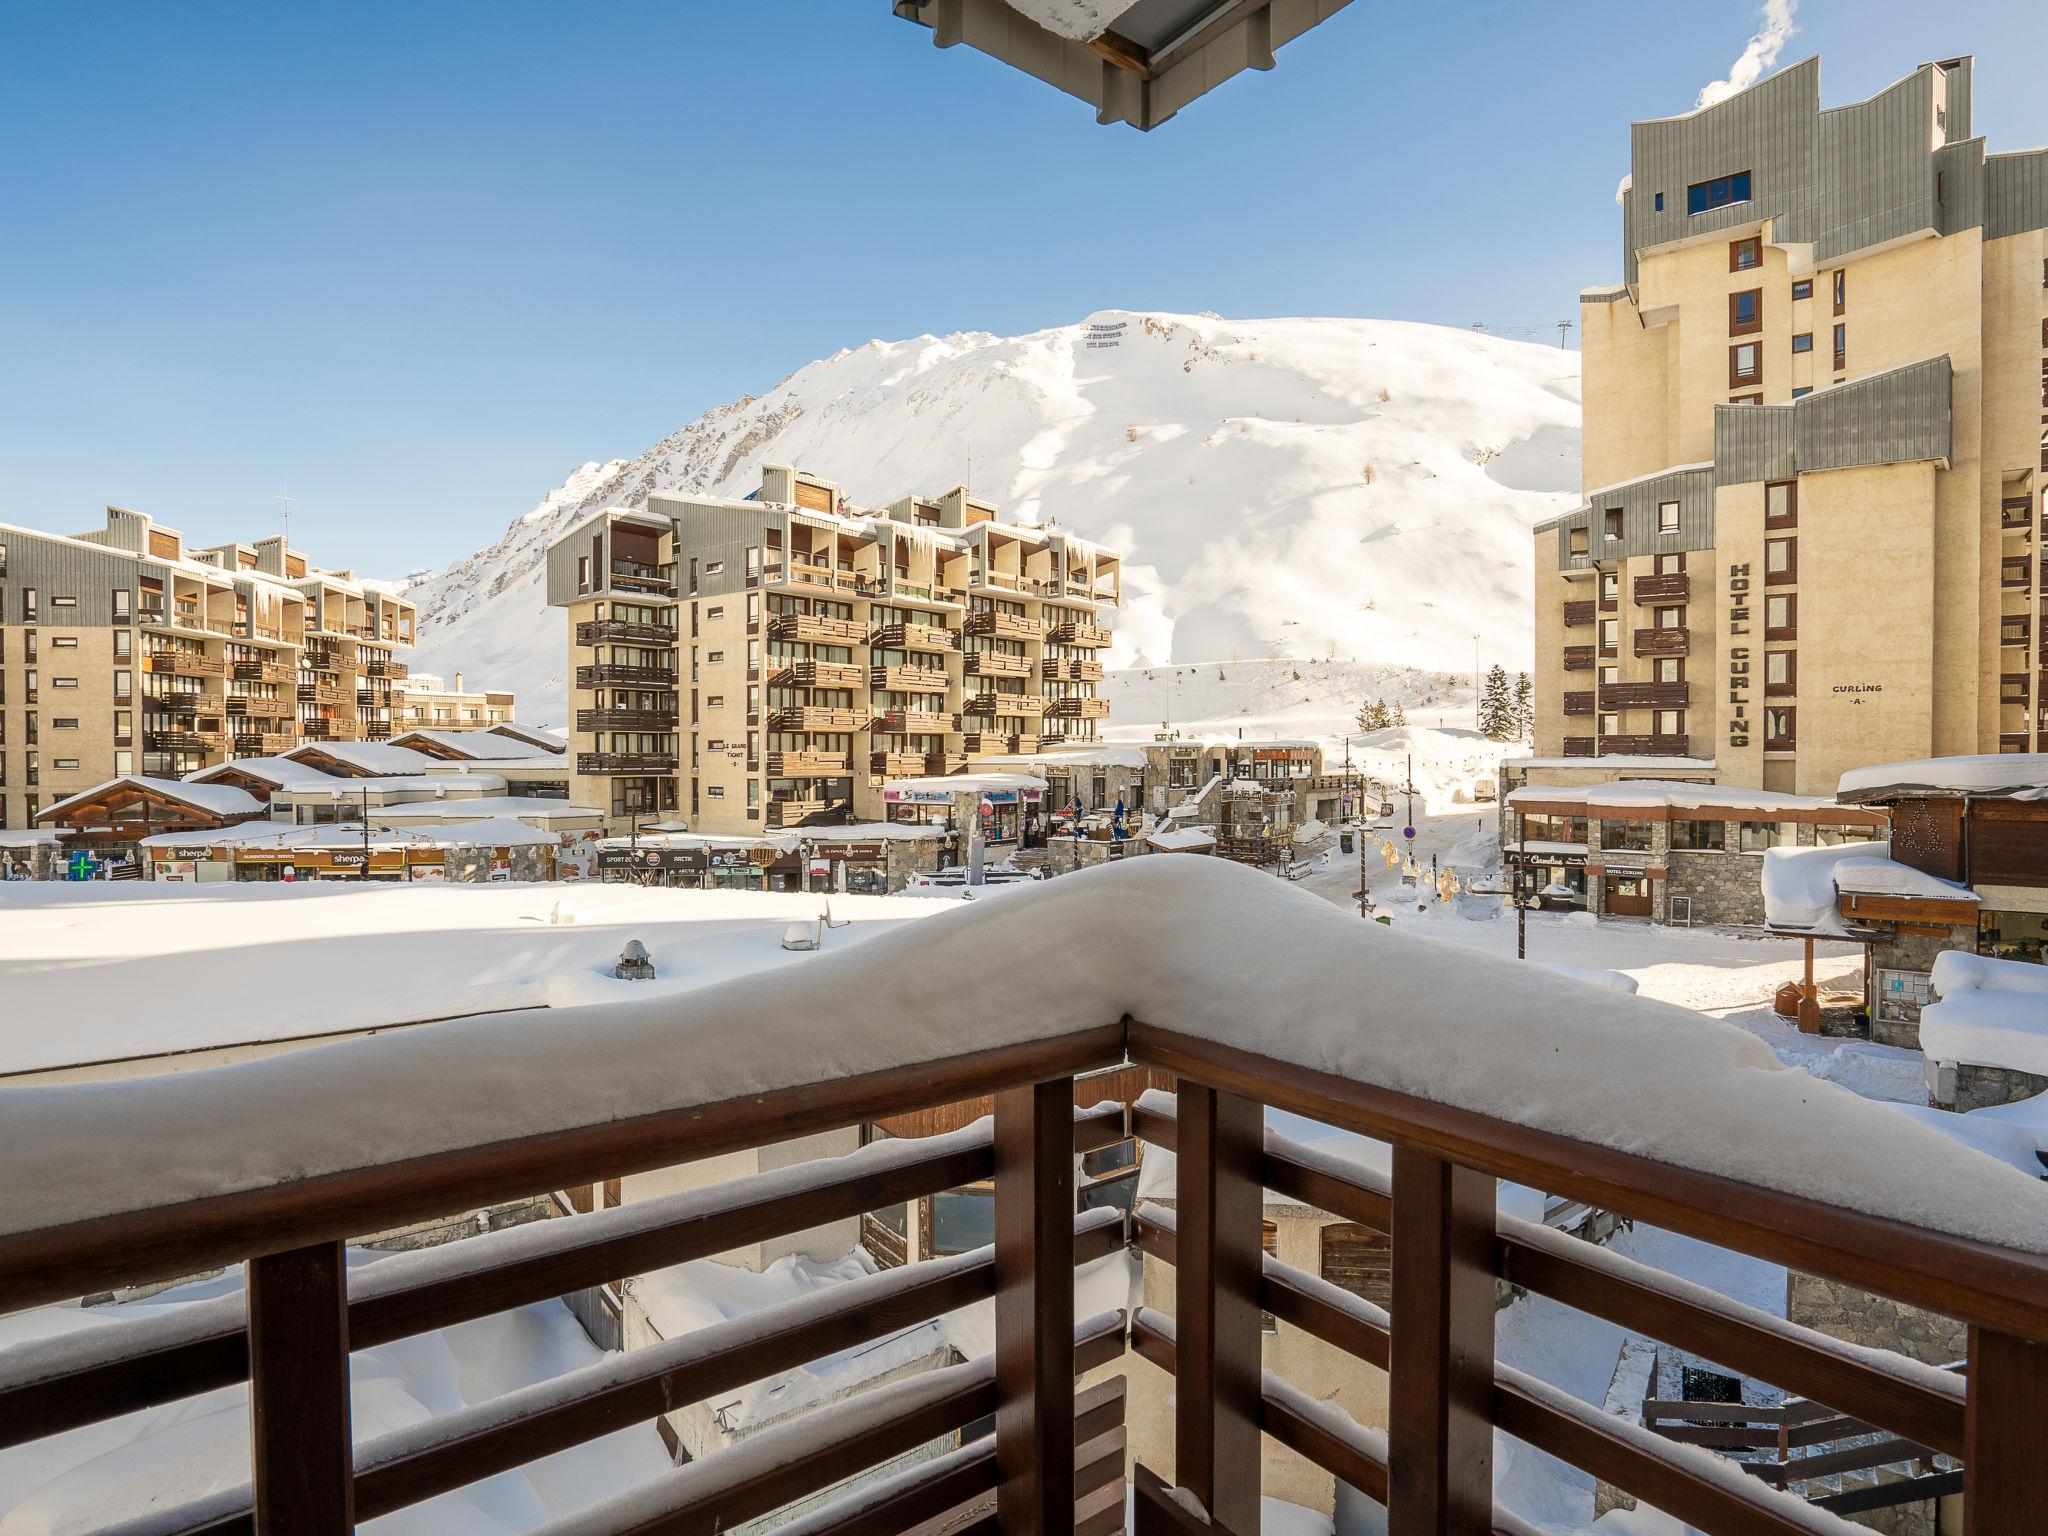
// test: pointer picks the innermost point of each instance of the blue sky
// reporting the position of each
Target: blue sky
(424, 259)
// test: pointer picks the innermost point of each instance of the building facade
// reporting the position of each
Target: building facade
(770, 662)
(426, 701)
(122, 651)
(1813, 448)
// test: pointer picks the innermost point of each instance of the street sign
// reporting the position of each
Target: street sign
(1409, 833)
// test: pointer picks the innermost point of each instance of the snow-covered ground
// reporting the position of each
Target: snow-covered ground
(139, 969)
(1279, 487)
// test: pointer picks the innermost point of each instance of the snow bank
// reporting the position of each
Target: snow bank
(1188, 943)
(2012, 775)
(1592, 975)
(1990, 1013)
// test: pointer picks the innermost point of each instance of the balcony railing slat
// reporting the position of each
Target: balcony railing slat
(1034, 1203)
(2005, 1473)
(1440, 1448)
(1216, 1301)
(300, 1440)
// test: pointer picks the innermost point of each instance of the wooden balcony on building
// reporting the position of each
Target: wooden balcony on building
(810, 629)
(908, 679)
(1671, 587)
(368, 698)
(995, 743)
(1578, 658)
(633, 576)
(809, 765)
(1077, 708)
(186, 703)
(2013, 571)
(1644, 695)
(185, 664)
(1069, 669)
(1026, 706)
(1079, 632)
(266, 743)
(619, 675)
(319, 730)
(1579, 702)
(1577, 613)
(318, 693)
(186, 741)
(623, 632)
(240, 704)
(1578, 746)
(606, 719)
(936, 763)
(913, 637)
(896, 765)
(375, 730)
(1662, 642)
(2012, 687)
(625, 762)
(794, 813)
(1645, 746)
(130, 1218)
(808, 718)
(820, 674)
(261, 672)
(396, 669)
(996, 664)
(2016, 741)
(1003, 626)
(910, 722)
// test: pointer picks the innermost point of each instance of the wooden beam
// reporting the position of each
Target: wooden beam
(2005, 1474)
(302, 1452)
(1216, 1290)
(1034, 1214)
(1440, 1442)
(1123, 53)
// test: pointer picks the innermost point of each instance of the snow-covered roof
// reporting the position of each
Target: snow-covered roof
(787, 842)
(1989, 1012)
(1615, 764)
(28, 837)
(1672, 794)
(1180, 839)
(532, 808)
(1191, 944)
(2006, 775)
(481, 832)
(470, 744)
(406, 786)
(215, 799)
(280, 772)
(380, 757)
(546, 740)
(1060, 761)
(965, 784)
(1801, 885)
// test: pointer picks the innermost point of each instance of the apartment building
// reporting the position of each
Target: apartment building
(427, 701)
(123, 651)
(1816, 432)
(771, 662)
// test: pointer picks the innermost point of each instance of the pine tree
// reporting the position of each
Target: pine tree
(1496, 708)
(1400, 715)
(1525, 708)
(1373, 716)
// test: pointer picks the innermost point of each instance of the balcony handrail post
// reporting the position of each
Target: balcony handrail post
(1034, 1218)
(1219, 1205)
(2005, 1474)
(1440, 1391)
(302, 1456)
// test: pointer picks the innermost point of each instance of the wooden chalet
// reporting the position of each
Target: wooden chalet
(108, 822)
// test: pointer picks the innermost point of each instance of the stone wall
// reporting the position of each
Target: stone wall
(1857, 1317)
(1984, 1087)
(1911, 949)
(1724, 887)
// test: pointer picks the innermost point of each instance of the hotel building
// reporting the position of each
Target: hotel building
(123, 651)
(426, 701)
(770, 662)
(1816, 431)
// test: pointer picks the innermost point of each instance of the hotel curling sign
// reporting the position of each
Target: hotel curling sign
(1740, 676)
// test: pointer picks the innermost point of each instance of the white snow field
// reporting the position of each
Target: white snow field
(1359, 489)
(137, 969)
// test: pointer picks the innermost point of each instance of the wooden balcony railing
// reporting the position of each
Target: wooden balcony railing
(1075, 632)
(1578, 658)
(793, 812)
(1027, 706)
(896, 765)
(905, 722)
(268, 1165)
(995, 743)
(625, 762)
(625, 719)
(907, 679)
(1646, 746)
(811, 630)
(1070, 670)
(1671, 587)
(809, 765)
(810, 718)
(1578, 612)
(1004, 626)
(609, 674)
(623, 632)
(1579, 746)
(1662, 642)
(1644, 695)
(186, 664)
(1077, 708)
(997, 664)
(1579, 702)
(913, 637)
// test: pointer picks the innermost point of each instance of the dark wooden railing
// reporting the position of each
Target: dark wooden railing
(1057, 1461)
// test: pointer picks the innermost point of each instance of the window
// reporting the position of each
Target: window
(1841, 345)
(1746, 312)
(1831, 837)
(124, 645)
(1803, 289)
(1781, 616)
(1625, 835)
(713, 567)
(1705, 196)
(1781, 561)
(1612, 522)
(583, 573)
(65, 764)
(1700, 836)
(1781, 504)
(1781, 672)
(28, 605)
(1756, 836)
(1577, 541)
(64, 642)
(714, 791)
(715, 701)
(1610, 589)
(715, 657)
(1802, 342)
(1755, 399)
(1670, 722)
(1610, 725)
(1745, 254)
(1659, 202)
(1779, 720)
(1801, 391)
(1672, 564)
(1610, 674)
(1667, 517)
(717, 611)
(61, 601)
(1841, 289)
(1745, 364)
(1670, 669)
(63, 682)
(1610, 637)
(1668, 618)
(122, 598)
(64, 723)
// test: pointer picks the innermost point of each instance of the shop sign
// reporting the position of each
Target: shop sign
(617, 858)
(343, 858)
(852, 853)
(1738, 655)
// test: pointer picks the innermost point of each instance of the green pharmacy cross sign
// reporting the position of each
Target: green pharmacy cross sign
(83, 866)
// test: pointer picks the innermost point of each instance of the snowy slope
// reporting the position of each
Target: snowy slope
(1309, 487)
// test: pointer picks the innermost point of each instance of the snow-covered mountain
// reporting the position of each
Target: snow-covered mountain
(1348, 489)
